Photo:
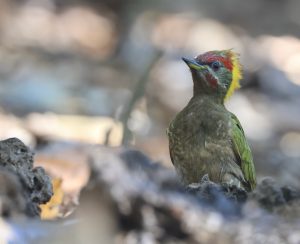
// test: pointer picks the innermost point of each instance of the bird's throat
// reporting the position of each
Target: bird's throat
(212, 95)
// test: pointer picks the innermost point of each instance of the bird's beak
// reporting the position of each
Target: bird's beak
(193, 64)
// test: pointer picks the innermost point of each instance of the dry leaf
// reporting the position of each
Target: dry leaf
(69, 162)
(51, 209)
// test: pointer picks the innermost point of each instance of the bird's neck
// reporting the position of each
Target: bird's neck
(209, 96)
(200, 90)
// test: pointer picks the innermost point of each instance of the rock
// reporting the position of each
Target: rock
(277, 199)
(11, 194)
(30, 185)
(131, 199)
(224, 198)
(150, 205)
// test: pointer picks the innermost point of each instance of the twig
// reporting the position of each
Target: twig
(138, 92)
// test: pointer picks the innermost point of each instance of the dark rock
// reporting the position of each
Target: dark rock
(11, 194)
(224, 198)
(290, 193)
(14, 154)
(31, 185)
(271, 195)
(138, 162)
(149, 209)
(130, 199)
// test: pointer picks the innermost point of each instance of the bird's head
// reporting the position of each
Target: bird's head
(215, 73)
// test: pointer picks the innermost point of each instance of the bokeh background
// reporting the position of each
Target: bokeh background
(77, 70)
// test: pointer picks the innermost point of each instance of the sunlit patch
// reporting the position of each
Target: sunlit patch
(256, 125)
(72, 30)
(292, 68)
(290, 144)
(284, 53)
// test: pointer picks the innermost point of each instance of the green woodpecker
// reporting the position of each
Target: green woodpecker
(205, 138)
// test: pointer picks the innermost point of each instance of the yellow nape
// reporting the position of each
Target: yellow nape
(236, 74)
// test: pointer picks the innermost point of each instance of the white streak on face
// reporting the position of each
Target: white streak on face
(214, 76)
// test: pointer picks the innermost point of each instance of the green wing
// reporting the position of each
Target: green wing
(243, 152)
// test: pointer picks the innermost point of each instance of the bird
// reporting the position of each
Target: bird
(205, 139)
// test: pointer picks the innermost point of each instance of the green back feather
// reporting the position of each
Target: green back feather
(243, 152)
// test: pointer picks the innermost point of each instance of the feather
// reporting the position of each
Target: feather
(236, 74)
(242, 152)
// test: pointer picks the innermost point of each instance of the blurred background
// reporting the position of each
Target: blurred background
(85, 71)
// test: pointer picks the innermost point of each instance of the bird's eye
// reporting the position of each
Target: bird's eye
(216, 65)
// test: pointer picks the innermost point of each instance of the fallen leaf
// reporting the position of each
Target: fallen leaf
(51, 209)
